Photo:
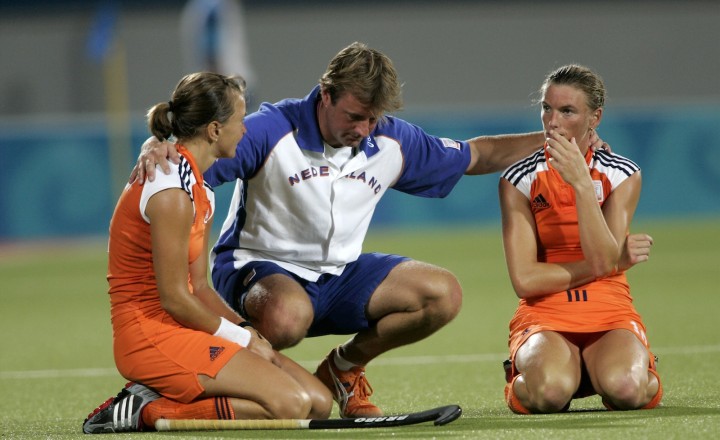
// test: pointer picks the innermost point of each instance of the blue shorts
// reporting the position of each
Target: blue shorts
(339, 301)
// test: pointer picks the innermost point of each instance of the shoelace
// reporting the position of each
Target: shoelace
(361, 388)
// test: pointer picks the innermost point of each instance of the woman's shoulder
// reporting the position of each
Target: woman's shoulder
(528, 165)
(608, 161)
(170, 180)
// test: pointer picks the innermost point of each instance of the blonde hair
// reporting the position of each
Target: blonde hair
(367, 74)
(581, 78)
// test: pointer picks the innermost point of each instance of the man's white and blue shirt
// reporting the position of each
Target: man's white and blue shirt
(293, 205)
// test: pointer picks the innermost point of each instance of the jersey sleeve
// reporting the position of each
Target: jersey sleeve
(432, 166)
(162, 182)
(617, 168)
(522, 173)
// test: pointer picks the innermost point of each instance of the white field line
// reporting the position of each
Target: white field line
(407, 360)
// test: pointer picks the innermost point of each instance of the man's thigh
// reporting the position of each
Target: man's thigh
(409, 287)
(341, 302)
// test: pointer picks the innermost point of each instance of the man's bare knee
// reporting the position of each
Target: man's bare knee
(282, 319)
(449, 298)
(282, 336)
(442, 297)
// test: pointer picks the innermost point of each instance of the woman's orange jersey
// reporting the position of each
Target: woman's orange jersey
(598, 306)
(150, 347)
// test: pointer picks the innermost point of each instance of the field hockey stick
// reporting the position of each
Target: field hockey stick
(439, 416)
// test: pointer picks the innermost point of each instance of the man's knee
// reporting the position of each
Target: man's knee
(445, 296)
(285, 330)
(438, 296)
(434, 294)
(282, 318)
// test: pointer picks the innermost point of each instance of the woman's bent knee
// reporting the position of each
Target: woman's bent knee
(625, 392)
(551, 397)
(289, 405)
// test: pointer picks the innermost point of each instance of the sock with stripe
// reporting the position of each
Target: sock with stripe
(214, 408)
(511, 399)
(655, 401)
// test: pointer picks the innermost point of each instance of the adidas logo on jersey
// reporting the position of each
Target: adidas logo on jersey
(540, 203)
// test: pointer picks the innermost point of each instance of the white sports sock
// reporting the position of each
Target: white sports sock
(342, 364)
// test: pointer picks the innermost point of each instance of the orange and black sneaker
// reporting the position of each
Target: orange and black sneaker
(350, 389)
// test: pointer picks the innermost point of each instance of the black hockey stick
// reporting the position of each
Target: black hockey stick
(439, 416)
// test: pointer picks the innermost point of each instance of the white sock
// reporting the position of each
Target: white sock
(342, 364)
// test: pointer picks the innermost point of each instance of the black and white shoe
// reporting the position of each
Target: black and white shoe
(121, 413)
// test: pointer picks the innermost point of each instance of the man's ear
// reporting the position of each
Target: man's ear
(325, 98)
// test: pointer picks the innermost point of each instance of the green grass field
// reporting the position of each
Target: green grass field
(56, 360)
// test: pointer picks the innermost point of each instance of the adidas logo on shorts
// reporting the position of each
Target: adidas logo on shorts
(540, 203)
(215, 352)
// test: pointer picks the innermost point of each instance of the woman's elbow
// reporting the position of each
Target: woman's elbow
(171, 306)
(604, 268)
(523, 290)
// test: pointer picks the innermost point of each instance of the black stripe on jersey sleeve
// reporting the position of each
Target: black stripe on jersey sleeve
(185, 174)
(523, 167)
(610, 160)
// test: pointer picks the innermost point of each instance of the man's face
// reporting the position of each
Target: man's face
(346, 122)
